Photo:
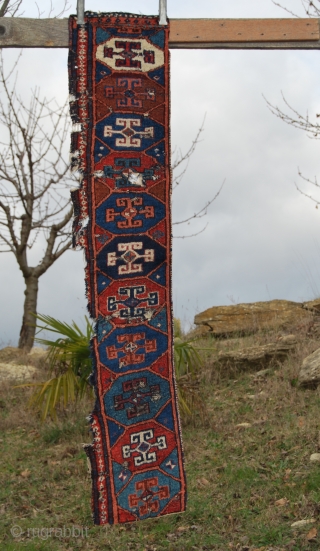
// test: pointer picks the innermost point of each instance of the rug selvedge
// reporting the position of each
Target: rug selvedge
(119, 103)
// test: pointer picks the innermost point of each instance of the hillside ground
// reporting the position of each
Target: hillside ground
(247, 462)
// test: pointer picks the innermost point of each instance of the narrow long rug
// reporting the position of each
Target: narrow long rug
(119, 86)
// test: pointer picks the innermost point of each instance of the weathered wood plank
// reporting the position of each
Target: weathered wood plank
(184, 33)
(22, 32)
(203, 31)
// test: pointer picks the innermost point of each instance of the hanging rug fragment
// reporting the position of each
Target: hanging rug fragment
(119, 103)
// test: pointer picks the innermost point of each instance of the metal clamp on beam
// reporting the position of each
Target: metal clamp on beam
(162, 12)
(80, 12)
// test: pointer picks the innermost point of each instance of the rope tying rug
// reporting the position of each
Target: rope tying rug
(119, 86)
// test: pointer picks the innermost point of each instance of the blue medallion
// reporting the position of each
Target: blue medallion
(132, 213)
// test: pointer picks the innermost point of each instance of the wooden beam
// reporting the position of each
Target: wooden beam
(20, 32)
(195, 31)
(184, 33)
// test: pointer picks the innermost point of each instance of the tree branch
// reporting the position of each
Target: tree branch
(49, 256)
(185, 157)
(202, 212)
(302, 122)
(191, 235)
(309, 7)
(4, 7)
(34, 176)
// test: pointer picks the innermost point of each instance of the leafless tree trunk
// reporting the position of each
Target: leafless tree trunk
(34, 187)
(34, 179)
(10, 7)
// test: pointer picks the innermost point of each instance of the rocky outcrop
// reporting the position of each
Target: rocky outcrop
(310, 370)
(252, 317)
(16, 365)
(17, 372)
(258, 357)
(313, 306)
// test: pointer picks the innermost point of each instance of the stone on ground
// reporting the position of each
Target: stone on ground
(310, 370)
(313, 305)
(252, 317)
(15, 372)
(315, 458)
(17, 365)
(37, 352)
(258, 357)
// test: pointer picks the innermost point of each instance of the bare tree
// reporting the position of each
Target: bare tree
(34, 177)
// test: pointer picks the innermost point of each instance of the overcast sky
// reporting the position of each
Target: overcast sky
(263, 238)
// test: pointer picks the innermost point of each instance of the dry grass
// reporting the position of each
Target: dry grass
(10, 354)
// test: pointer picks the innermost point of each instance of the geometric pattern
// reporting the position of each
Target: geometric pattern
(119, 90)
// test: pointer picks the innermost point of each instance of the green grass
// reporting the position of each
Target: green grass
(62, 432)
(235, 475)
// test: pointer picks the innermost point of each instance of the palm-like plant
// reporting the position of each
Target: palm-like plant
(70, 365)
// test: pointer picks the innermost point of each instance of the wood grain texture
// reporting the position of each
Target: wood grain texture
(33, 33)
(195, 31)
(184, 33)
